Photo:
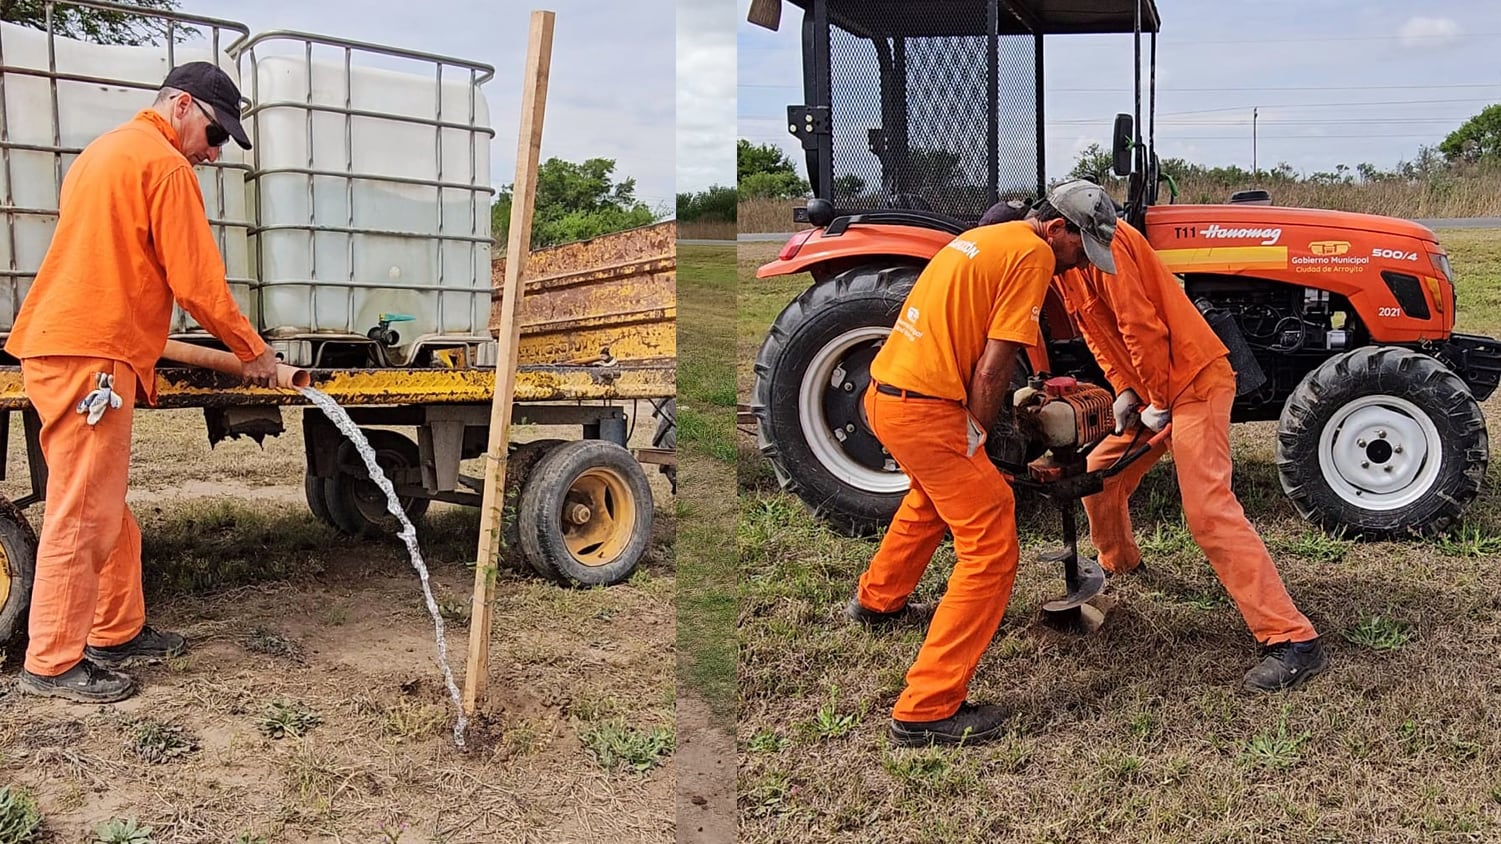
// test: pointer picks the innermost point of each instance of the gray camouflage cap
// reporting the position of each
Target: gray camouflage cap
(1086, 205)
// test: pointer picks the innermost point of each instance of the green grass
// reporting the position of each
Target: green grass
(618, 747)
(1379, 634)
(123, 831)
(281, 719)
(706, 569)
(1476, 257)
(20, 819)
(159, 742)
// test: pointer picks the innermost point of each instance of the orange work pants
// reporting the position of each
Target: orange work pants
(1200, 441)
(955, 488)
(88, 562)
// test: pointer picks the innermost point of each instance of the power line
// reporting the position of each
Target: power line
(1345, 104)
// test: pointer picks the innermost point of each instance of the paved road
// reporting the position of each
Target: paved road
(710, 242)
(1449, 223)
(1462, 223)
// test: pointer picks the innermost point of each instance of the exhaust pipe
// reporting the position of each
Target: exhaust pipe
(287, 377)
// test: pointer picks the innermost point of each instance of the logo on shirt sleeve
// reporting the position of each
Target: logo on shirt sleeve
(906, 324)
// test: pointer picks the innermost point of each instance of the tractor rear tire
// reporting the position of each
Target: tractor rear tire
(1382, 442)
(811, 376)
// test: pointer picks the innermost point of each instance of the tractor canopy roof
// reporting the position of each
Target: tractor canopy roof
(878, 18)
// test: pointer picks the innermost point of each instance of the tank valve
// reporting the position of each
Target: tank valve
(383, 333)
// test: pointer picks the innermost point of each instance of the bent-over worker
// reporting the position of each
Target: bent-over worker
(937, 386)
(1156, 350)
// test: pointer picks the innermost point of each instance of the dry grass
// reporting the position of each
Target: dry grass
(707, 230)
(1138, 733)
(1478, 196)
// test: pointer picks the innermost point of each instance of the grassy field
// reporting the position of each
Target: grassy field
(706, 507)
(1138, 733)
(309, 706)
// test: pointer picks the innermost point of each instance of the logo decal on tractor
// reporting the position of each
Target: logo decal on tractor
(1329, 247)
(1394, 254)
(1268, 236)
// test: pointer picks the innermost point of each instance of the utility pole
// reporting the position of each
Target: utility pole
(1254, 169)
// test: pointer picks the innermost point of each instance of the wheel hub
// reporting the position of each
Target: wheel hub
(598, 517)
(831, 409)
(1380, 452)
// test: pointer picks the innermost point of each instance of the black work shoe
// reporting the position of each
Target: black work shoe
(83, 683)
(970, 725)
(856, 611)
(148, 646)
(1139, 569)
(1287, 665)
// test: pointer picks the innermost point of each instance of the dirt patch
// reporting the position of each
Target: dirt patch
(706, 776)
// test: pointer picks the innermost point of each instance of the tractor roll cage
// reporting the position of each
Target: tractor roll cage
(938, 106)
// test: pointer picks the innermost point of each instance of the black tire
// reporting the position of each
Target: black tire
(520, 463)
(312, 490)
(835, 326)
(606, 548)
(17, 569)
(666, 436)
(1382, 442)
(356, 505)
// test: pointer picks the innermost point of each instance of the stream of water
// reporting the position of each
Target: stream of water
(408, 535)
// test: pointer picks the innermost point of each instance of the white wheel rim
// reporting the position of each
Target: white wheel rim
(825, 372)
(1380, 453)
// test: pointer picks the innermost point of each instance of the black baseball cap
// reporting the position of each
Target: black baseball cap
(210, 85)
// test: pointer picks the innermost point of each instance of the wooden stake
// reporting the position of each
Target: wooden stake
(508, 335)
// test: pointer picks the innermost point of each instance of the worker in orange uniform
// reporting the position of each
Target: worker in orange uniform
(1156, 350)
(937, 386)
(132, 237)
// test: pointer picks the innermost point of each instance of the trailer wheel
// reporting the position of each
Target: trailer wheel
(520, 463)
(811, 376)
(312, 490)
(356, 505)
(586, 514)
(1382, 442)
(17, 568)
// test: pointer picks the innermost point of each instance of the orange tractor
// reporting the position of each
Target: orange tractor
(919, 116)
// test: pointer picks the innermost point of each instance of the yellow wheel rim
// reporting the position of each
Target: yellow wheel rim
(598, 517)
(5, 576)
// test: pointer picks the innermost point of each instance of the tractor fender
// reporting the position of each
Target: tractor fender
(857, 244)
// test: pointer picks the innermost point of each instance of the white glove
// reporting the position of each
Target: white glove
(101, 399)
(1125, 410)
(1155, 418)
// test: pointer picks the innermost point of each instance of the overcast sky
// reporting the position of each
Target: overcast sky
(610, 93)
(1335, 82)
(706, 93)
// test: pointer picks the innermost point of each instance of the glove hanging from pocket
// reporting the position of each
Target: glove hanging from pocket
(101, 399)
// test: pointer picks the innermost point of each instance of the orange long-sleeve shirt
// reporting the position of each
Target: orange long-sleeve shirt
(132, 236)
(1140, 325)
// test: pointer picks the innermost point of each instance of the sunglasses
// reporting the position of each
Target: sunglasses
(216, 135)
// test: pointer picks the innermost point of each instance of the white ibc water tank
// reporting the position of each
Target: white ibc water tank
(84, 111)
(352, 221)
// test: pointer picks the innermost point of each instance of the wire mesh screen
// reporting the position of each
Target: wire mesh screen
(911, 120)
